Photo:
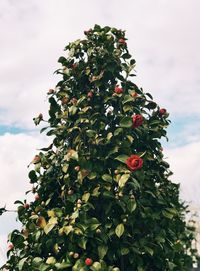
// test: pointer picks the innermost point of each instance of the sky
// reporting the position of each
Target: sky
(163, 37)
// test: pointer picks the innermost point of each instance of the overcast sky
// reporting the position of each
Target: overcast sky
(163, 36)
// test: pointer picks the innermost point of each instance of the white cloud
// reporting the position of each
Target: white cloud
(16, 152)
(184, 163)
(163, 37)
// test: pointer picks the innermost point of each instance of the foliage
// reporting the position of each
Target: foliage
(103, 197)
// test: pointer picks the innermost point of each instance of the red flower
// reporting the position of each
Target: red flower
(26, 205)
(10, 246)
(122, 41)
(137, 120)
(50, 91)
(87, 32)
(64, 100)
(37, 197)
(40, 116)
(118, 90)
(88, 261)
(162, 111)
(36, 159)
(134, 94)
(134, 162)
(90, 94)
(73, 66)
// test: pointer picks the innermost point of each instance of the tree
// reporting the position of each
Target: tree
(103, 196)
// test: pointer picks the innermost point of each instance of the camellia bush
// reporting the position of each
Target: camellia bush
(103, 197)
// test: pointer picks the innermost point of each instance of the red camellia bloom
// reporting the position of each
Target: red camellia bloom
(26, 205)
(37, 197)
(36, 159)
(88, 261)
(122, 41)
(87, 32)
(137, 120)
(73, 66)
(162, 111)
(90, 94)
(10, 246)
(118, 90)
(50, 91)
(134, 162)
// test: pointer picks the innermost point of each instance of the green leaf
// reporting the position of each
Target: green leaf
(32, 176)
(91, 133)
(119, 230)
(73, 109)
(36, 261)
(127, 98)
(122, 158)
(149, 250)
(127, 108)
(21, 263)
(124, 250)
(61, 266)
(82, 243)
(131, 205)
(118, 131)
(92, 175)
(171, 265)
(94, 226)
(167, 214)
(102, 250)
(107, 178)
(126, 56)
(3, 210)
(126, 122)
(61, 59)
(43, 129)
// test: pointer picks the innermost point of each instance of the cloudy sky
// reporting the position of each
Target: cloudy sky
(163, 36)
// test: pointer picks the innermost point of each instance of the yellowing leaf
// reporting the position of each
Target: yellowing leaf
(52, 222)
(86, 197)
(95, 192)
(65, 168)
(71, 154)
(51, 213)
(41, 222)
(109, 136)
(67, 229)
(48, 228)
(123, 179)
(51, 260)
(78, 231)
(119, 230)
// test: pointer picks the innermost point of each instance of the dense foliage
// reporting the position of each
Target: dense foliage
(103, 197)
